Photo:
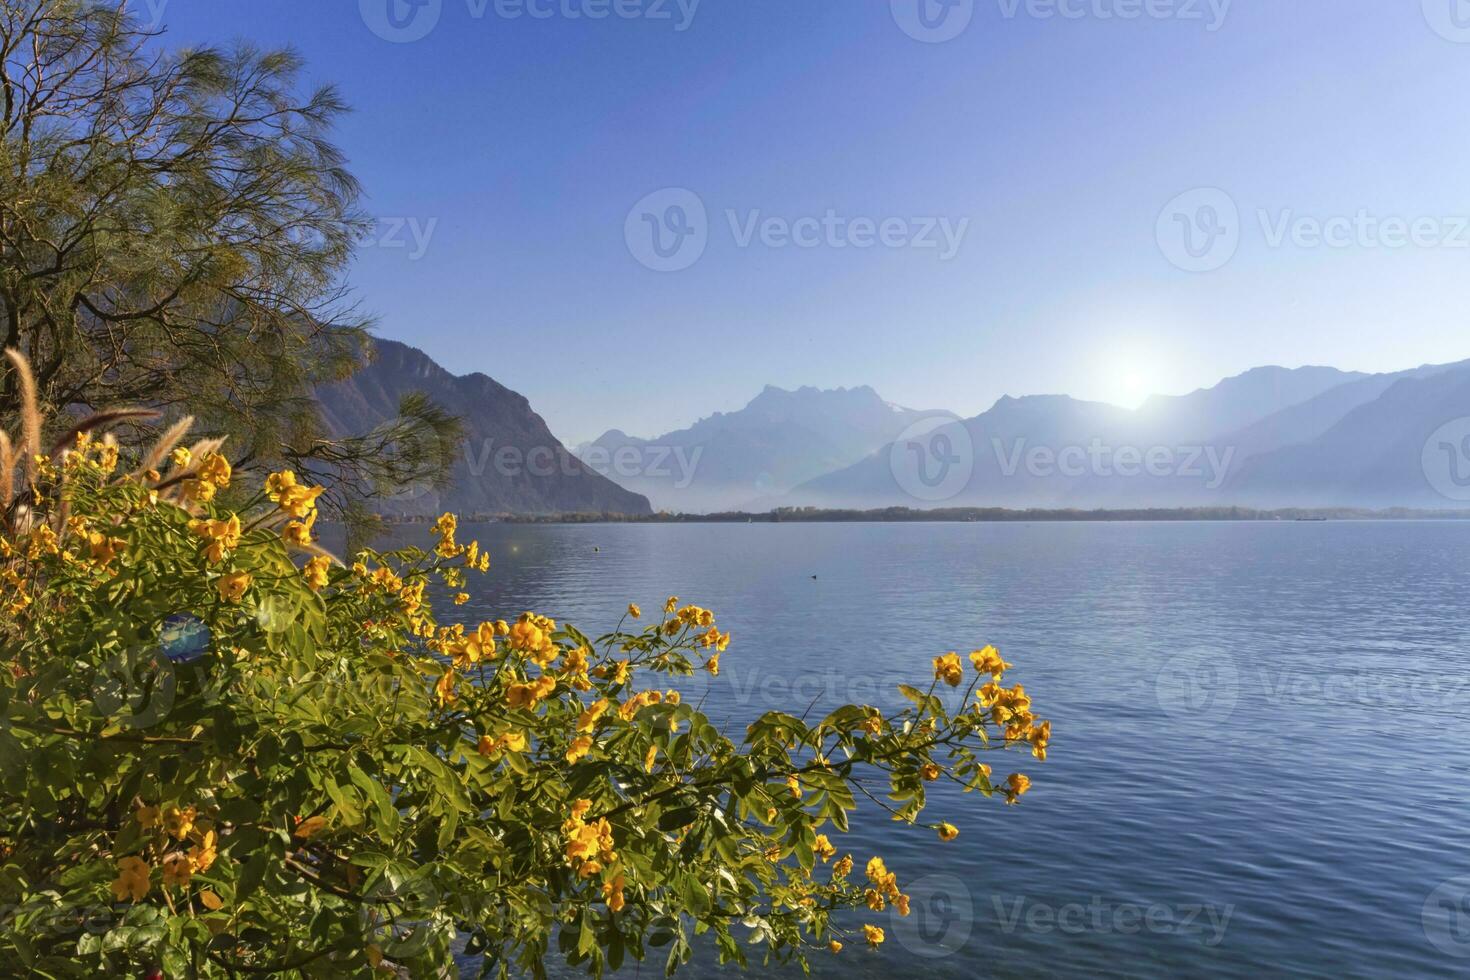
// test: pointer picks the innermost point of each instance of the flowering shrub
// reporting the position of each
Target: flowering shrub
(225, 753)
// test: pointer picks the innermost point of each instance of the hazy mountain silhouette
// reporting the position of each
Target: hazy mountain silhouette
(534, 475)
(779, 440)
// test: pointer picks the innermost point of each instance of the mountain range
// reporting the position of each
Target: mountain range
(1271, 437)
(508, 463)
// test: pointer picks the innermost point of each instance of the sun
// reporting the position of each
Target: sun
(1131, 378)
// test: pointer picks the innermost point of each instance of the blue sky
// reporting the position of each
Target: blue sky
(1053, 139)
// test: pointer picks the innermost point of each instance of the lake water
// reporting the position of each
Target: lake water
(1261, 752)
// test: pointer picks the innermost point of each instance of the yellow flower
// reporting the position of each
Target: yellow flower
(843, 867)
(232, 587)
(929, 772)
(176, 870)
(103, 548)
(299, 532)
(1016, 786)
(901, 902)
(794, 784)
(612, 893)
(873, 725)
(587, 720)
(216, 470)
(948, 832)
(203, 853)
(220, 537)
(317, 572)
(178, 822)
(513, 741)
(634, 611)
(873, 935)
(444, 689)
(181, 457)
(310, 827)
(293, 498)
(649, 758)
(671, 605)
(822, 848)
(988, 661)
(948, 669)
(148, 817)
(132, 879)
(579, 748)
(835, 946)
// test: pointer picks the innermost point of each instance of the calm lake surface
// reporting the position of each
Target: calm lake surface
(1261, 752)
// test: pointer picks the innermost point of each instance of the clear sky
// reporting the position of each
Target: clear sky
(1049, 137)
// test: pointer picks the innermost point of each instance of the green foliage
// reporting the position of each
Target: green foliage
(220, 762)
(173, 232)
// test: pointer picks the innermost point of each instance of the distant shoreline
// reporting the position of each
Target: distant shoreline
(973, 515)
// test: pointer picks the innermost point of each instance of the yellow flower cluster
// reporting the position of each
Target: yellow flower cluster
(589, 845)
(531, 635)
(885, 888)
(212, 476)
(178, 866)
(504, 742)
(529, 695)
(220, 536)
(444, 529)
(948, 669)
(1011, 707)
